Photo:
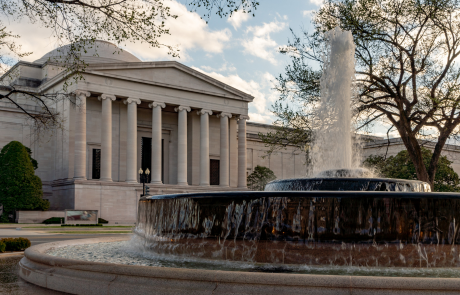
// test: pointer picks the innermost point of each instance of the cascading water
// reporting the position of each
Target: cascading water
(332, 147)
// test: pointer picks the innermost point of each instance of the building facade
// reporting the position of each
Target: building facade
(189, 130)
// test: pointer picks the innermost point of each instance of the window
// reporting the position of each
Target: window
(96, 164)
(214, 173)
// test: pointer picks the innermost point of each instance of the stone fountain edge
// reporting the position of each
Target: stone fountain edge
(86, 277)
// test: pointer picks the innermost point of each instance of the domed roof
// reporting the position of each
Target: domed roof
(97, 52)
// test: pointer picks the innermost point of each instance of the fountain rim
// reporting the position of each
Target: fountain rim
(376, 179)
(300, 194)
(88, 277)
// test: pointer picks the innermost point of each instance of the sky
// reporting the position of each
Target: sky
(241, 51)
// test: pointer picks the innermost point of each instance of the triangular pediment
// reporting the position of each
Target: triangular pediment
(174, 75)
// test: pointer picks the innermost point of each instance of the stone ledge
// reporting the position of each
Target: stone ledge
(85, 277)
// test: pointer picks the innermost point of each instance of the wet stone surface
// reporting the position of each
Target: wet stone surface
(12, 284)
(133, 253)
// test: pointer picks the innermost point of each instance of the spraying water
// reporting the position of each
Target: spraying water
(332, 147)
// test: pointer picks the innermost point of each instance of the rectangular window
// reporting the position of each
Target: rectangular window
(215, 172)
(96, 164)
(146, 155)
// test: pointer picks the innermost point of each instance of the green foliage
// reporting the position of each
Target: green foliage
(2, 247)
(34, 162)
(260, 177)
(54, 220)
(102, 220)
(15, 244)
(401, 166)
(20, 188)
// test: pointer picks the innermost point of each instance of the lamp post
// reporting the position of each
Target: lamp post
(143, 177)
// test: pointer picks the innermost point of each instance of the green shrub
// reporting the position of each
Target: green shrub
(54, 220)
(20, 188)
(2, 247)
(101, 220)
(15, 244)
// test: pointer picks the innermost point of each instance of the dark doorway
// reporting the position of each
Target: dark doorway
(146, 155)
(214, 173)
(96, 164)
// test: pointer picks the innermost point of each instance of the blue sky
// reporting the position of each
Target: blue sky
(240, 51)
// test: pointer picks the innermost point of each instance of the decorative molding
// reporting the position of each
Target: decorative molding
(204, 112)
(155, 104)
(106, 96)
(132, 99)
(182, 108)
(243, 117)
(223, 115)
(82, 92)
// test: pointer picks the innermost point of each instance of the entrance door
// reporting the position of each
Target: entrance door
(214, 173)
(146, 155)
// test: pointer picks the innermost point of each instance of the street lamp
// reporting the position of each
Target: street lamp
(144, 177)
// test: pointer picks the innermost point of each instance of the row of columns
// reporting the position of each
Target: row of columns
(131, 159)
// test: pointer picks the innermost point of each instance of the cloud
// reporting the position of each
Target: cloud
(308, 13)
(317, 2)
(187, 32)
(226, 67)
(238, 18)
(260, 43)
(260, 89)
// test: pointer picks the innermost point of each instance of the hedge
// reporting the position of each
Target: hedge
(14, 244)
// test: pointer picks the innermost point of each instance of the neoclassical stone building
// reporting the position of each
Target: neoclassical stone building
(187, 128)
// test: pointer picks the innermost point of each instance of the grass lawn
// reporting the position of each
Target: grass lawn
(93, 232)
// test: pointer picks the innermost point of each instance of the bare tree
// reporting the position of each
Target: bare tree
(406, 71)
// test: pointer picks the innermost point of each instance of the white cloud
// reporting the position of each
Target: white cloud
(260, 44)
(187, 32)
(308, 13)
(238, 18)
(226, 67)
(317, 2)
(261, 90)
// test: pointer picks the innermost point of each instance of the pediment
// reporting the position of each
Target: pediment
(174, 75)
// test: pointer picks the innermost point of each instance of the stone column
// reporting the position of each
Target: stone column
(131, 150)
(182, 144)
(106, 136)
(224, 150)
(156, 142)
(80, 135)
(204, 146)
(242, 183)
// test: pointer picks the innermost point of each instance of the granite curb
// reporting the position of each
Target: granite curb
(86, 277)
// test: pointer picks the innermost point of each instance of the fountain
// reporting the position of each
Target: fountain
(341, 231)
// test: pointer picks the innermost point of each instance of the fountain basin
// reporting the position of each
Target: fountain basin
(85, 277)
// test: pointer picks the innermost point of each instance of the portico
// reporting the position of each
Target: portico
(156, 166)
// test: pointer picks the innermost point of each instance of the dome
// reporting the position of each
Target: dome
(98, 52)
